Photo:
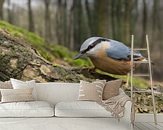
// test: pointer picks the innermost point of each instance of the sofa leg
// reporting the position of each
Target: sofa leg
(132, 125)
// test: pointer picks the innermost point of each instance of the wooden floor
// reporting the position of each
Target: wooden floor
(146, 122)
(148, 126)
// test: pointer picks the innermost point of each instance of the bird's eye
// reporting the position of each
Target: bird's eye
(91, 46)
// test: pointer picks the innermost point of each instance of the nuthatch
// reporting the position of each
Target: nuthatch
(108, 55)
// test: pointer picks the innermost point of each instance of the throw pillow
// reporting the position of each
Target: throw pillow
(16, 95)
(5, 85)
(18, 84)
(111, 89)
(91, 91)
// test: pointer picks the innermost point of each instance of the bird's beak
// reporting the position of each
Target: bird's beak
(78, 56)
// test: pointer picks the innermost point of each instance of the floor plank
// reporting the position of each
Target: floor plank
(158, 125)
(136, 128)
(149, 125)
(148, 117)
(161, 125)
(141, 126)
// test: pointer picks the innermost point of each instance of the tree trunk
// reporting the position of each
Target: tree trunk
(59, 22)
(127, 21)
(113, 18)
(156, 23)
(77, 18)
(31, 26)
(134, 17)
(47, 21)
(1, 9)
(65, 31)
(70, 27)
(19, 60)
(119, 17)
(9, 12)
(102, 12)
(90, 15)
(144, 24)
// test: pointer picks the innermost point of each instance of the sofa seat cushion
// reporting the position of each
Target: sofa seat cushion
(26, 109)
(80, 109)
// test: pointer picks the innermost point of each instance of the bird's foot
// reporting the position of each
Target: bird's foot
(86, 69)
(92, 69)
(89, 69)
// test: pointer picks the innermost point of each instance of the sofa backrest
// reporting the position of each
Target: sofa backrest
(54, 92)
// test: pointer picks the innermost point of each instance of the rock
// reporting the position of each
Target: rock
(30, 72)
(13, 63)
(45, 70)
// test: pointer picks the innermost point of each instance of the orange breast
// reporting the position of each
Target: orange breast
(107, 64)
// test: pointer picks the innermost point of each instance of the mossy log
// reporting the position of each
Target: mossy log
(19, 60)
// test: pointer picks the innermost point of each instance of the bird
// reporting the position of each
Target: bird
(109, 55)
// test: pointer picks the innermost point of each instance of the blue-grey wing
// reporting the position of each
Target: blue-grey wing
(118, 50)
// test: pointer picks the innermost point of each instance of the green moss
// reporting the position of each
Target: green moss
(139, 83)
(34, 40)
(22, 33)
(80, 62)
(67, 55)
(60, 51)
(48, 51)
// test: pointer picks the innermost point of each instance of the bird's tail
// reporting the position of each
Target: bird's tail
(146, 60)
(139, 58)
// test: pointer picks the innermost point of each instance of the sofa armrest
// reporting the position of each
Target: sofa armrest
(128, 107)
(127, 112)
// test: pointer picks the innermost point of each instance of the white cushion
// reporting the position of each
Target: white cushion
(26, 109)
(18, 84)
(16, 95)
(80, 109)
(57, 92)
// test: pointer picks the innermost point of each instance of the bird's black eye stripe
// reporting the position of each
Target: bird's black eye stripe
(94, 44)
(97, 42)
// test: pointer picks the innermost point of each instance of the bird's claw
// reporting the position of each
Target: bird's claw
(92, 69)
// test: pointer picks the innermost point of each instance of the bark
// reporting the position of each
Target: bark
(90, 15)
(156, 24)
(65, 32)
(119, 16)
(19, 60)
(31, 26)
(1, 9)
(77, 18)
(134, 17)
(113, 18)
(9, 12)
(59, 22)
(47, 21)
(144, 23)
(101, 8)
(70, 27)
(127, 21)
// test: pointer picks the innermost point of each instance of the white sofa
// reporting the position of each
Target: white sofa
(63, 113)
